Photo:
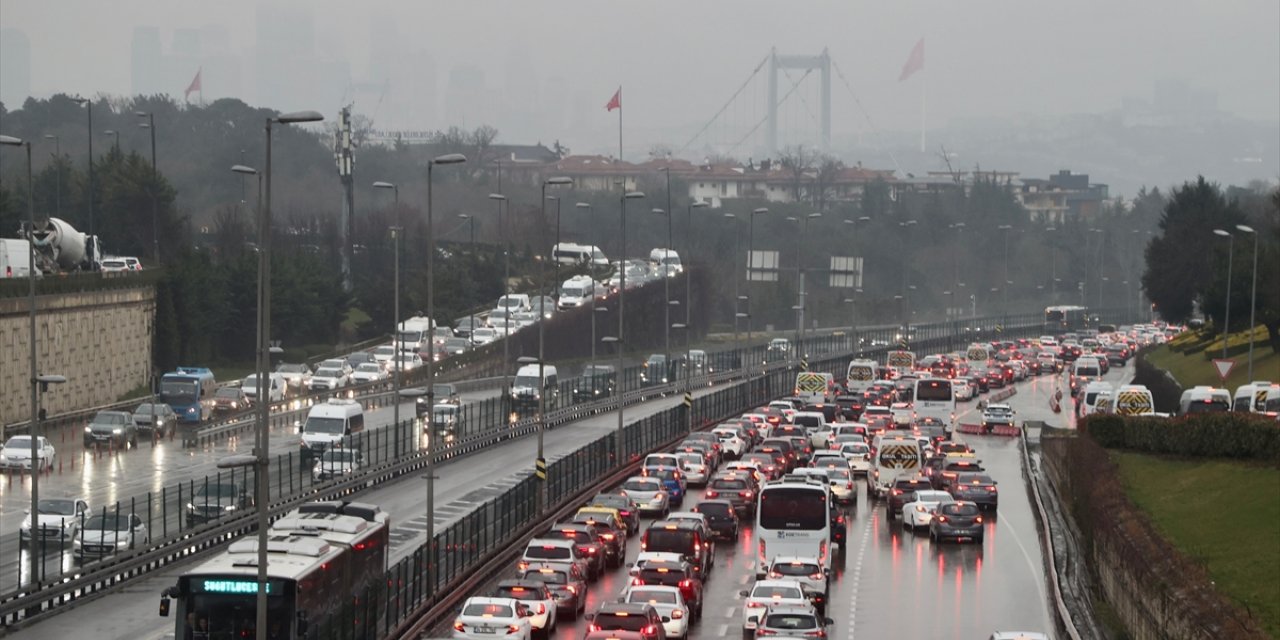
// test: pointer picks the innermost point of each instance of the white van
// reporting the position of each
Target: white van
(896, 457)
(1258, 396)
(1134, 400)
(513, 303)
(15, 258)
(526, 390)
(815, 388)
(415, 335)
(328, 424)
(575, 292)
(1096, 398)
(1204, 399)
(979, 357)
(576, 254)
(275, 390)
(667, 258)
(860, 375)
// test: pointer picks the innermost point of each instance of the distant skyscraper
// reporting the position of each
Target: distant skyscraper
(522, 110)
(465, 99)
(147, 66)
(15, 68)
(285, 56)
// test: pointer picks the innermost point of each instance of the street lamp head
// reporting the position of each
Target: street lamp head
(1050, 228)
(1245, 228)
(864, 219)
(815, 215)
(1222, 233)
(677, 325)
(658, 212)
(110, 132)
(299, 116)
(464, 216)
(51, 378)
(558, 180)
(237, 461)
(633, 195)
(674, 303)
(383, 185)
(602, 309)
(947, 292)
(1005, 227)
(11, 141)
(526, 360)
(497, 196)
(848, 300)
(144, 125)
(141, 114)
(744, 297)
(609, 339)
(760, 210)
(730, 216)
(698, 205)
(449, 158)
(792, 219)
(741, 315)
(556, 198)
(249, 171)
(583, 205)
(275, 351)
(50, 136)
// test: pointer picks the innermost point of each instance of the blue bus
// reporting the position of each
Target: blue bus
(189, 390)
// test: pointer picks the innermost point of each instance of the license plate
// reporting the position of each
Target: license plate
(485, 630)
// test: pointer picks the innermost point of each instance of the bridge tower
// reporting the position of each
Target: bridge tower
(821, 63)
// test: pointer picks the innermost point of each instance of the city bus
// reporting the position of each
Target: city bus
(323, 558)
(1065, 318)
(979, 357)
(935, 398)
(793, 518)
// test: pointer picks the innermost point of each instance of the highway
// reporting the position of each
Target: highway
(895, 583)
(106, 478)
(129, 612)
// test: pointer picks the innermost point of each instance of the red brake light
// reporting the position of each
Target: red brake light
(978, 519)
(458, 626)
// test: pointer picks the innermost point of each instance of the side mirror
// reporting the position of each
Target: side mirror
(666, 618)
(743, 593)
(754, 619)
(589, 616)
(828, 621)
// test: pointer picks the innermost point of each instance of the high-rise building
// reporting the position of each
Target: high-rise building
(147, 66)
(15, 68)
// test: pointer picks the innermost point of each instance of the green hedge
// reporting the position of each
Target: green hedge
(1214, 435)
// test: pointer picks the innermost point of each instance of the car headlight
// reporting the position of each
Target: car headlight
(88, 429)
(159, 422)
(117, 431)
(121, 543)
(230, 507)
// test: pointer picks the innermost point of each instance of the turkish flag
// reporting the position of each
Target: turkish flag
(915, 61)
(615, 102)
(194, 86)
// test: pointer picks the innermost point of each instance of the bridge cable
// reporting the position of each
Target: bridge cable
(792, 90)
(726, 106)
(867, 116)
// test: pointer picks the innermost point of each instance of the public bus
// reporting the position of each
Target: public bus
(323, 558)
(935, 398)
(793, 518)
(979, 357)
(1065, 318)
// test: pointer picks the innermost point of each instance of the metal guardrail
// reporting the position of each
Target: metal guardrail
(1042, 526)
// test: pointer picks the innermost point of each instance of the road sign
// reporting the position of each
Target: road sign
(1224, 366)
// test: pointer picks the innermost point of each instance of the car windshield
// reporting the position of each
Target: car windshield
(691, 458)
(652, 596)
(713, 509)
(526, 381)
(216, 491)
(734, 485)
(227, 392)
(18, 442)
(324, 425)
(385, 350)
(58, 507)
(548, 552)
(974, 479)
(109, 418)
(932, 496)
(487, 610)
(108, 523)
(775, 591)
(795, 568)
(338, 456)
(292, 368)
(547, 576)
(642, 485)
(969, 509)
(607, 621)
(328, 373)
(147, 408)
(369, 367)
(571, 292)
(795, 621)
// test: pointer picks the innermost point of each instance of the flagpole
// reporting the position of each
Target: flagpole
(620, 131)
(924, 91)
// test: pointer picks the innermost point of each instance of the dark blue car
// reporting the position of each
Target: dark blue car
(672, 481)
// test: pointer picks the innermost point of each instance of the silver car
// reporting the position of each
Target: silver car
(648, 493)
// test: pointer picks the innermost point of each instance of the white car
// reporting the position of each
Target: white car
(859, 456)
(491, 618)
(297, 375)
(58, 520)
(16, 453)
(645, 557)
(901, 413)
(484, 335)
(335, 463)
(384, 354)
(700, 518)
(695, 468)
(667, 601)
(648, 494)
(328, 379)
(919, 513)
(807, 570)
(369, 372)
(766, 593)
(963, 390)
(730, 442)
(104, 535)
(276, 386)
(409, 362)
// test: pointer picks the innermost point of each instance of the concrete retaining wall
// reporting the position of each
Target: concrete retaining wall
(100, 340)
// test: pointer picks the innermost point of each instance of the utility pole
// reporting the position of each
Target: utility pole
(343, 152)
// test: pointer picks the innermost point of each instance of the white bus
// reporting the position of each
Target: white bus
(793, 518)
(979, 357)
(324, 558)
(575, 254)
(935, 398)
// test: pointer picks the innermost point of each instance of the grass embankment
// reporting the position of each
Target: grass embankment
(1191, 369)
(1223, 514)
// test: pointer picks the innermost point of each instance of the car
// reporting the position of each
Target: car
(626, 509)
(654, 371)
(964, 391)
(722, 518)
(902, 491)
(689, 538)
(406, 361)
(57, 520)
(112, 265)
(16, 454)
(455, 346)
(807, 570)
(918, 513)
(858, 455)
(957, 521)
(766, 463)
(275, 387)
(114, 428)
(336, 462)
(537, 597)
(328, 379)
(951, 467)
(674, 574)
(556, 551)
(297, 375)
(597, 381)
(997, 414)
(667, 601)
(106, 534)
(789, 621)
(672, 480)
(155, 417)
(695, 469)
(210, 501)
(976, 488)
(609, 528)
(229, 400)
(737, 489)
(648, 493)
(1017, 635)
(626, 621)
(732, 441)
(486, 617)
(567, 583)
(586, 540)
(384, 355)
(369, 372)
(765, 593)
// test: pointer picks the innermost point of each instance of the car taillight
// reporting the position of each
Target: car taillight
(822, 551)
(637, 581)
(511, 628)
(676, 614)
(686, 584)
(572, 589)
(522, 565)
(991, 489)
(712, 493)
(941, 518)
(745, 494)
(762, 558)
(624, 513)
(593, 627)
(458, 626)
(765, 632)
(542, 608)
(650, 630)
(816, 575)
(978, 519)
(606, 536)
(591, 550)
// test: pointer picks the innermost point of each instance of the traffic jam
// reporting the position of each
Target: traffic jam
(771, 496)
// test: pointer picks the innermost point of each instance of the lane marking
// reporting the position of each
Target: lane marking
(1039, 582)
(857, 576)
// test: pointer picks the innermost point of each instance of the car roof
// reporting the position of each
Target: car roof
(635, 608)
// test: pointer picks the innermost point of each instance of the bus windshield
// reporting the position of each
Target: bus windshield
(934, 390)
(178, 391)
(793, 508)
(225, 607)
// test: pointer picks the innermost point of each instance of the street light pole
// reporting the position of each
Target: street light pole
(751, 247)
(591, 269)
(1004, 312)
(396, 364)
(688, 304)
(499, 199)
(541, 462)
(150, 126)
(1053, 259)
(1226, 321)
(92, 248)
(448, 158)
(619, 445)
(115, 144)
(57, 176)
(1253, 295)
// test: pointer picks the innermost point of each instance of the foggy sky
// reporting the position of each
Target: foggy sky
(679, 61)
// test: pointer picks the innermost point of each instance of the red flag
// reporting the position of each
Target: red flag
(615, 102)
(194, 86)
(915, 61)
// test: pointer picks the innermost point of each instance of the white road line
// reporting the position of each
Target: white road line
(857, 575)
(1031, 565)
(723, 631)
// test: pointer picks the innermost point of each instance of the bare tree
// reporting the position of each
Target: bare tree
(480, 140)
(660, 151)
(797, 161)
(824, 180)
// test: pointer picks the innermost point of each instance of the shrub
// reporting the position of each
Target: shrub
(1213, 435)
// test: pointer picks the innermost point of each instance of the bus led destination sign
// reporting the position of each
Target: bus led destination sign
(234, 586)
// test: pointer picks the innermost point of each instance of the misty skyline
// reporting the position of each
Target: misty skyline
(543, 71)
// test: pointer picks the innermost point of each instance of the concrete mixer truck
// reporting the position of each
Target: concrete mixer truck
(60, 247)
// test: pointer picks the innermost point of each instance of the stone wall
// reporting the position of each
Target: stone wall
(99, 340)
